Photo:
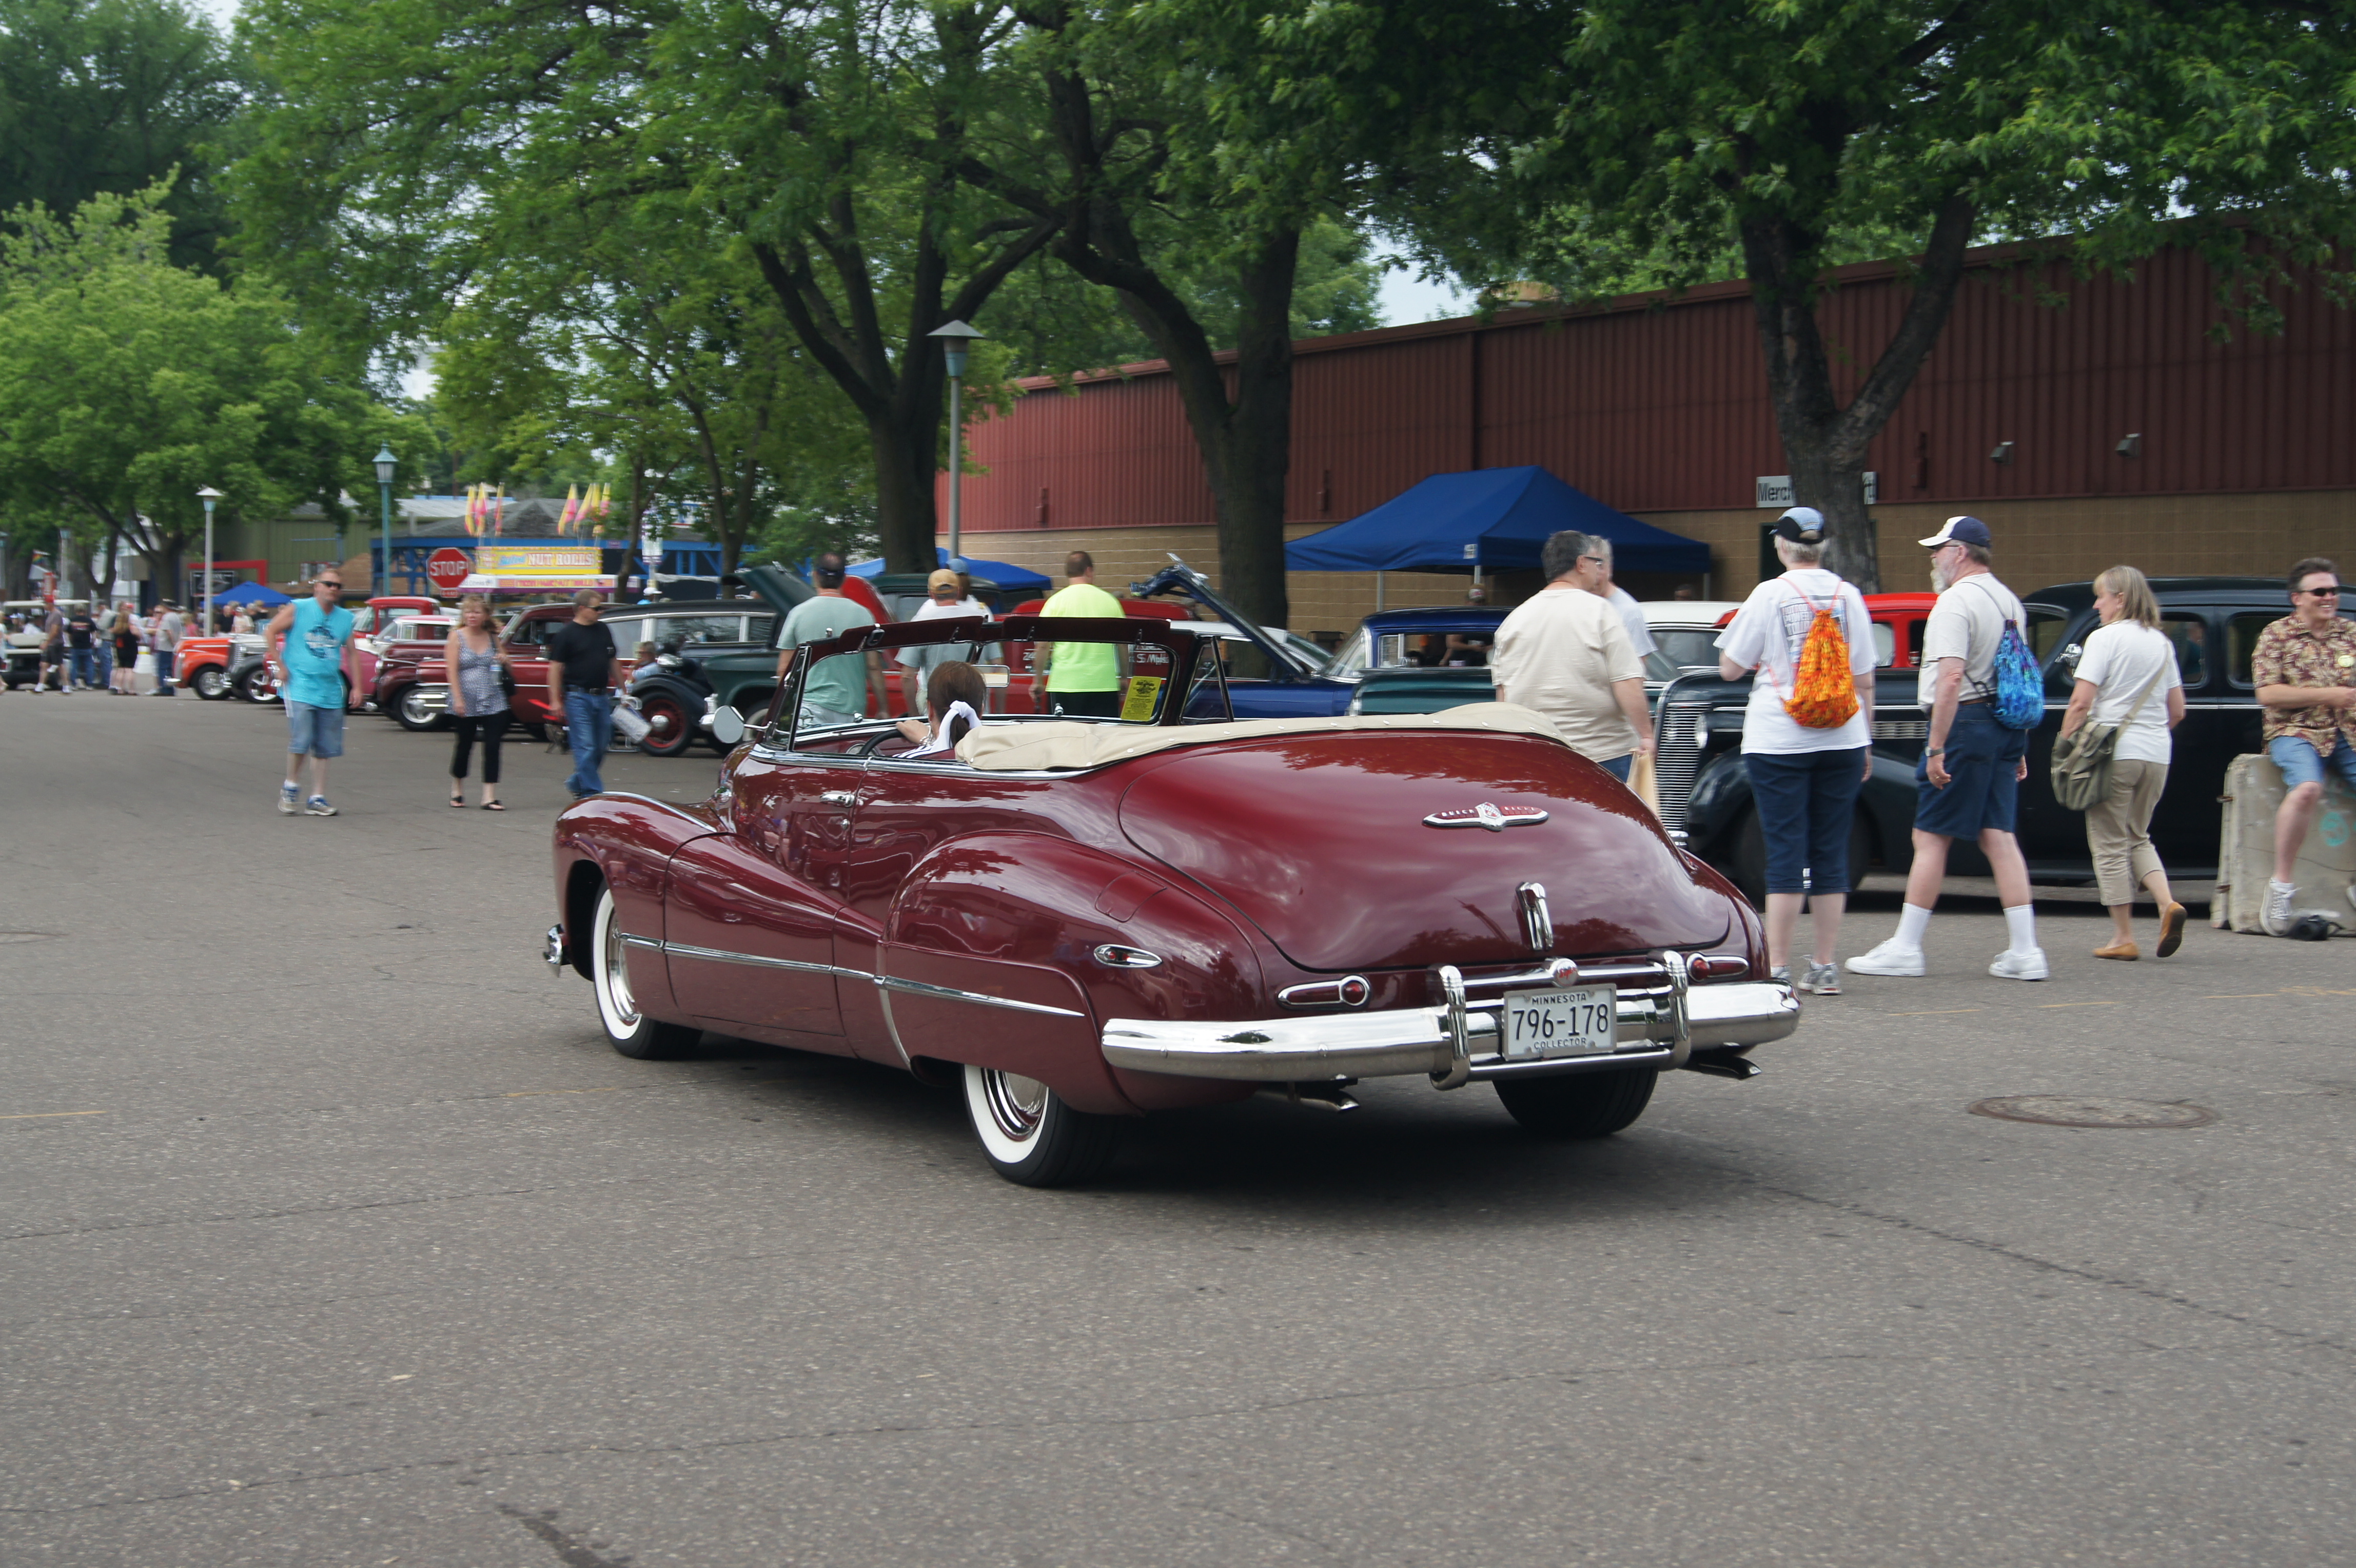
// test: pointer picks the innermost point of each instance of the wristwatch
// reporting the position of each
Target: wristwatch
(1934, 751)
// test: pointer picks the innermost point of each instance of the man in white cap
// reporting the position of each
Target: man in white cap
(945, 599)
(1967, 784)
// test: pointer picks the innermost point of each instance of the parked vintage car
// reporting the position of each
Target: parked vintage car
(1080, 921)
(2215, 623)
(24, 647)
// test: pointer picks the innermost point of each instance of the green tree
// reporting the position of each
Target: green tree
(1520, 141)
(113, 96)
(127, 384)
(676, 361)
(1174, 189)
(828, 135)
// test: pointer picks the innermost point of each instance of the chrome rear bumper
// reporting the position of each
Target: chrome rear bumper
(1454, 1043)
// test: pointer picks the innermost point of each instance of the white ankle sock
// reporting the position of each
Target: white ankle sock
(1913, 920)
(2020, 924)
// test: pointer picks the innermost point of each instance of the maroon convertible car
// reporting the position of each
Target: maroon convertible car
(1080, 921)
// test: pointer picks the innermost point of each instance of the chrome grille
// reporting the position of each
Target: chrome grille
(1901, 729)
(1676, 757)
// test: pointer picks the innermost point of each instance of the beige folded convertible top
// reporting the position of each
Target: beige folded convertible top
(1027, 747)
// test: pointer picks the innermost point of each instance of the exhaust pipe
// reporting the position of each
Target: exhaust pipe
(1722, 1063)
(1331, 1095)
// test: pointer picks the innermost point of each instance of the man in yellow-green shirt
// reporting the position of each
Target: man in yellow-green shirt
(1082, 679)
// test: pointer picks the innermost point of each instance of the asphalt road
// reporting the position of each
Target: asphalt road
(335, 1235)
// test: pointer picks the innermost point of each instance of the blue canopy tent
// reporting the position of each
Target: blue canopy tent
(1487, 519)
(251, 594)
(1016, 581)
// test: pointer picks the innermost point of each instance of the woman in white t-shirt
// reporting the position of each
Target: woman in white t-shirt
(2128, 661)
(1803, 781)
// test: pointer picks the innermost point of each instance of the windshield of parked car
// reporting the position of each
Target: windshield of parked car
(1688, 646)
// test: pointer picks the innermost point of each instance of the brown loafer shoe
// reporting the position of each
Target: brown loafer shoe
(2171, 930)
(2127, 950)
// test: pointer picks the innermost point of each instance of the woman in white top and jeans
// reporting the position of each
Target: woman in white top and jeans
(2121, 661)
(1803, 781)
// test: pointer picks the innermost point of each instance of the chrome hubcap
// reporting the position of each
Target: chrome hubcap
(617, 976)
(1016, 1103)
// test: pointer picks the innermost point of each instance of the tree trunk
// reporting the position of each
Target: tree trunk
(1824, 444)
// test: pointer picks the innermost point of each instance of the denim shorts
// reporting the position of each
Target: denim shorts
(2302, 764)
(314, 732)
(1806, 801)
(1982, 792)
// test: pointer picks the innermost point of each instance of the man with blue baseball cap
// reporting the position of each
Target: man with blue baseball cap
(1967, 784)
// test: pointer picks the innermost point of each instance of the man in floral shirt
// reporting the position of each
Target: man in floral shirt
(2305, 668)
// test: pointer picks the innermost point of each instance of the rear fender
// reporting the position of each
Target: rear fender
(1020, 916)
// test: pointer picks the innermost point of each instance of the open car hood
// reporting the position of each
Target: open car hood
(1320, 840)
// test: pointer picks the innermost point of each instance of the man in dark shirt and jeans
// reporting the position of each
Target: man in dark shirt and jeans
(583, 669)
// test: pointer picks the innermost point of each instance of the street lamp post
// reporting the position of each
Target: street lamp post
(386, 465)
(208, 496)
(956, 338)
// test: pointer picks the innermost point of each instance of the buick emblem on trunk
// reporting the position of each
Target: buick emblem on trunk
(1487, 814)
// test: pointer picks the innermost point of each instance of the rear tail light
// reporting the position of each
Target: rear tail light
(1718, 966)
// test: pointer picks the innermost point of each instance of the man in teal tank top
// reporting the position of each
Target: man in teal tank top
(309, 641)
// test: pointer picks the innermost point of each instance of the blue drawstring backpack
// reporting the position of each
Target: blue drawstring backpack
(2020, 699)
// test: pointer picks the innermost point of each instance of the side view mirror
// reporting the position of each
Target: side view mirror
(727, 725)
(2071, 655)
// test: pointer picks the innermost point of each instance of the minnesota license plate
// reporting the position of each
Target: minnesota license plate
(1580, 1022)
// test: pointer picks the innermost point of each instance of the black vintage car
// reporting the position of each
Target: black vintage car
(2215, 623)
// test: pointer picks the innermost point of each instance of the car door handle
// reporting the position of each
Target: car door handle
(841, 797)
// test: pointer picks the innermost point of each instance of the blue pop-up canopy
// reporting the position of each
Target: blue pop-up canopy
(251, 594)
(1016, 580)
(1494, 518)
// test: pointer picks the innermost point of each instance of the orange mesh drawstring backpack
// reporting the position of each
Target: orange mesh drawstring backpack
(1823, 690)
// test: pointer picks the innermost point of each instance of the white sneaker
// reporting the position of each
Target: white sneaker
(1887, 959)
(2014, 965)
(290, 799)
(2275, 915)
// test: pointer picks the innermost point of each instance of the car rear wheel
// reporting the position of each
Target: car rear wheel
(628, 1030)
(211, 682)
(411, 714)
(1029, 1136)
(1582, 1104)
(669, 733)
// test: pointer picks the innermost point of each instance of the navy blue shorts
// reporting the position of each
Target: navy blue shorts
(1984, 757)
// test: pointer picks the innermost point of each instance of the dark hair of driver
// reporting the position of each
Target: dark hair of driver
(955, 682)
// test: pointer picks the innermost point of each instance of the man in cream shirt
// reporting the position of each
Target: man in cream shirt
(1564, 653)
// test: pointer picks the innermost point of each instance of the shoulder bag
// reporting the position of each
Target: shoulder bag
(2081, 760)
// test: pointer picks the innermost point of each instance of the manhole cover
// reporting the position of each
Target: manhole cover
(2094, 1111)
(6, 936)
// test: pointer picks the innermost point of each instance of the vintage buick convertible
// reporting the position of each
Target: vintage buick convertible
(1080, 921)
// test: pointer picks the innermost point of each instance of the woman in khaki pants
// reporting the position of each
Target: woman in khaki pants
(2126, 657)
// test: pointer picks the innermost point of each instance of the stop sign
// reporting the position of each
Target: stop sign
(448, 568)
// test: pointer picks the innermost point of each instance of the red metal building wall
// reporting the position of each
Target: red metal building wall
(1656, 407)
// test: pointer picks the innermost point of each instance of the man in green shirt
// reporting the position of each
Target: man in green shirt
(1082, 679)
(835, 690)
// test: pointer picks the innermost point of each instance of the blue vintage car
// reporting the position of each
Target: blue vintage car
(1302, 680)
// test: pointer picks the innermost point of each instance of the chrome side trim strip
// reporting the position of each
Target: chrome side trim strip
(884, 983)
(715, 955)
(949, 993)
(630, 941)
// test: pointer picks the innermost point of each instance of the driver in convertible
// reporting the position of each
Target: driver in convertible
(954, 698)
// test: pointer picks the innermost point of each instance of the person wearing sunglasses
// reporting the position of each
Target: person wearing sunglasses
(2305, 670)
(309, 642)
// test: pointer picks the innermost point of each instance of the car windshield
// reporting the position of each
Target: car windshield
(1688, 646)
(858, 695)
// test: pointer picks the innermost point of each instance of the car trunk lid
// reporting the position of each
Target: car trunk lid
(1321, 841)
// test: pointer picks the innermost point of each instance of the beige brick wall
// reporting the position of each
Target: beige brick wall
(2037, 542)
